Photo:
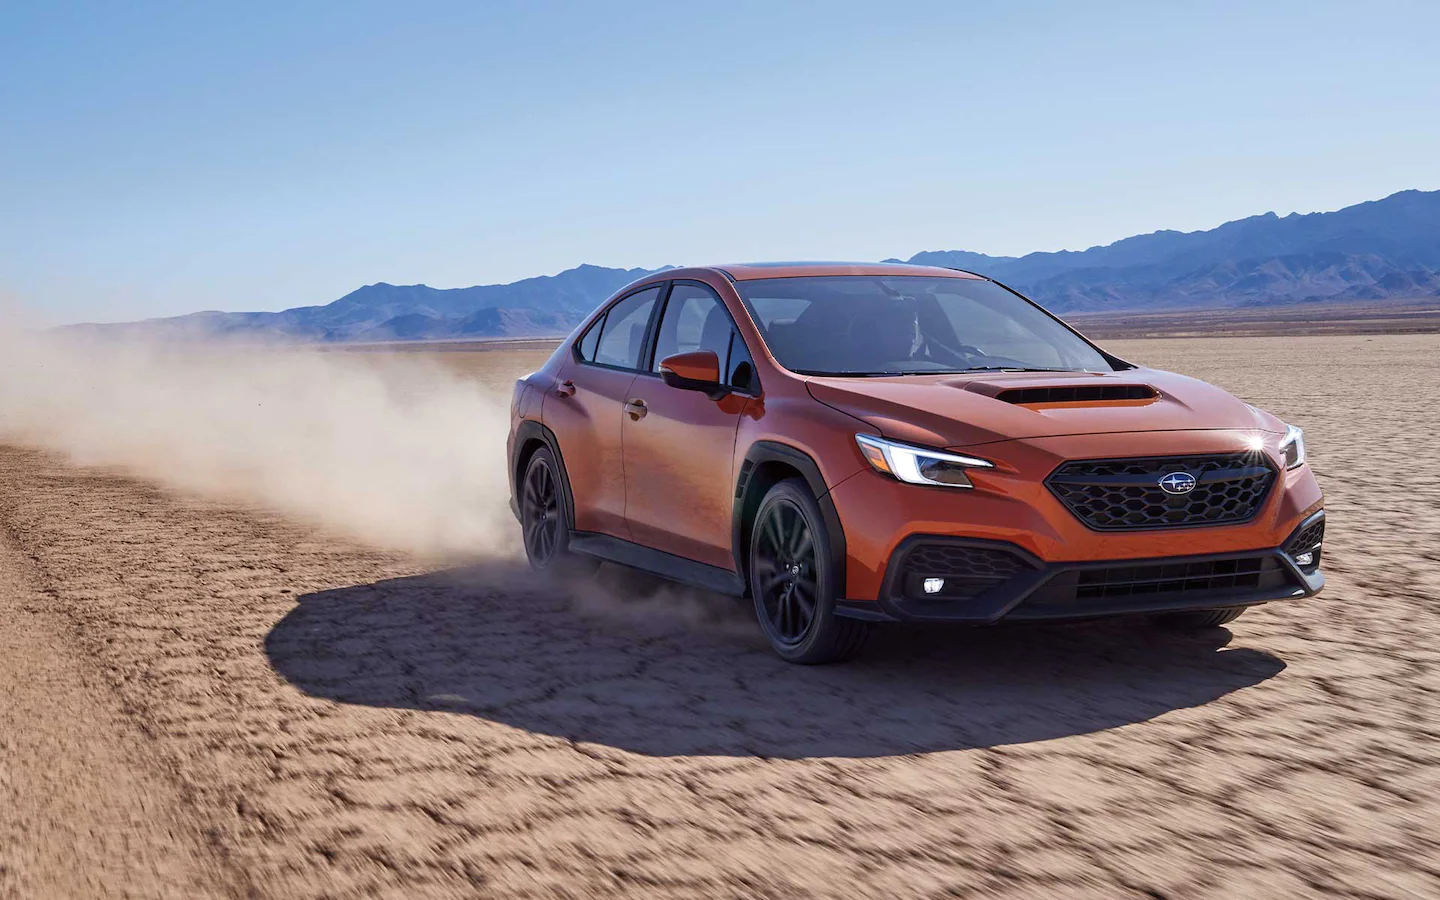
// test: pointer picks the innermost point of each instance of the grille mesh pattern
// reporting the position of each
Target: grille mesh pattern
(962, 562)
(968, 571)
(1169, 578)
(1120, 494)
(1312, 535)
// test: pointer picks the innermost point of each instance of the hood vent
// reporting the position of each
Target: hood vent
(1078, 393)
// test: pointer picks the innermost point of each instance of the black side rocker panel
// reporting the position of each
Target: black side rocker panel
(657, 562)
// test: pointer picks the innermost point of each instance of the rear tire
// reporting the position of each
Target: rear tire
(1200, 619)
(792, 583)
(545, 520)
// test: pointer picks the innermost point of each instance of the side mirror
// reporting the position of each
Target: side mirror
(698, 370)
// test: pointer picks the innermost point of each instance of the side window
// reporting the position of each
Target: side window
(741, 373)
(694, 319)
(622, 338)
(588, 341)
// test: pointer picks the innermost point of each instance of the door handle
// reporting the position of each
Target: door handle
(636, 409)
(565, 388)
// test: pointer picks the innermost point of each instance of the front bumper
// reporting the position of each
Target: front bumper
(1012, 504)
(1000, 581)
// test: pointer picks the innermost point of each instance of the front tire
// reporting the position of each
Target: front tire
(545, 520)
(791, 580)
(1199, 619)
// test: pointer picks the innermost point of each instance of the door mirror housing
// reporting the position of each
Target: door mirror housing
(698, 370)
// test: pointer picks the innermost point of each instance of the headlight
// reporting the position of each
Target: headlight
(917, 465)
(1292, 447)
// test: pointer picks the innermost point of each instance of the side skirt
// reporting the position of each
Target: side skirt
(657, 562)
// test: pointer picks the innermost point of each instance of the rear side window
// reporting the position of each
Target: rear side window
(590, 339)
(622, 334)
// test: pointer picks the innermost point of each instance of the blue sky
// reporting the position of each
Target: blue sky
(162, 158)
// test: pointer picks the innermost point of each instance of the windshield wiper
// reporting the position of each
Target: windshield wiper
(1015, 369)
(879, 374)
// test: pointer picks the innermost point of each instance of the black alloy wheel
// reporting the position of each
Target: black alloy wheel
(793, 579)
(540, 512)
(545, 520)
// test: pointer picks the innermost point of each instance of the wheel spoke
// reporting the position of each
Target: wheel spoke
(803, 546)
(772, 581)
(804, 598)
(787, 530)
(797, 533)
(769, 536)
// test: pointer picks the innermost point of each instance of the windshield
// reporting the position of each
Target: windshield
(908, 325)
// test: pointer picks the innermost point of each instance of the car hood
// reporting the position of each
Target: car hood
(964, 410)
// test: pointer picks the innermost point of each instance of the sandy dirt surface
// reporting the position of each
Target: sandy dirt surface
(203, 699)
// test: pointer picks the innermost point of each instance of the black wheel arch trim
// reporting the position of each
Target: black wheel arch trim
(762, 452)
(527, 432)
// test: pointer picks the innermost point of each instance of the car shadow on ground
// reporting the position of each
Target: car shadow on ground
(629, 662)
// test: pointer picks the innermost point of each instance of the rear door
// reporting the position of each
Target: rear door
(680, 445)
(586, 409)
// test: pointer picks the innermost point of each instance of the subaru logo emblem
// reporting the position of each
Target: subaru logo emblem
(1177, 483)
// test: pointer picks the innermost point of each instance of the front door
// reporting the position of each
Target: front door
(585, 409)
(680, 445)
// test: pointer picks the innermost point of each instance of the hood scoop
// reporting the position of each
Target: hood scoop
(1065, 393)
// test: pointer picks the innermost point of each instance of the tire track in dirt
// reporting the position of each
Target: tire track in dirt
(84, 812)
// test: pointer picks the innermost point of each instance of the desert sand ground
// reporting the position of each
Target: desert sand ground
(204, 699)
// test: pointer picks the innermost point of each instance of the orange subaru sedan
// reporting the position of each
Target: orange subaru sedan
(849, 444)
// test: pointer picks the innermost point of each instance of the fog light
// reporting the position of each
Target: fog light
(1305, 559)
(934, 585)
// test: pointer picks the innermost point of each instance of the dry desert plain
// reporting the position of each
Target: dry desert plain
(203, 698)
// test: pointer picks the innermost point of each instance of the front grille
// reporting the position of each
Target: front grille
(1125, 494)
(969, 571)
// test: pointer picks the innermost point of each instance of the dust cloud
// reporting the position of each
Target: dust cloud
(392, 450)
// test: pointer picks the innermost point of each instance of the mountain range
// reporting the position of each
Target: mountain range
(1375, 251)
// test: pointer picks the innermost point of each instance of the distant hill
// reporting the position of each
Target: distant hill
(544, 306)
(1371, 251)
(1375, 251)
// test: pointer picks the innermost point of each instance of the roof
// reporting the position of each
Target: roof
(750, 271)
